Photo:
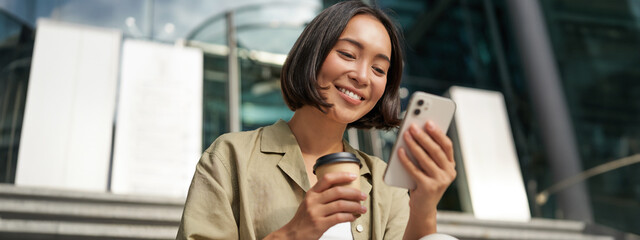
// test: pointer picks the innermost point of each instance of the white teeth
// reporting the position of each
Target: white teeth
(350, 94)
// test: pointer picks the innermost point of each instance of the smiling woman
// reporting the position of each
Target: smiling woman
(353, 76)
(343, 71)
(322, 38)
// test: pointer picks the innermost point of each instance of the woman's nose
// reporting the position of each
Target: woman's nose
(360, 74)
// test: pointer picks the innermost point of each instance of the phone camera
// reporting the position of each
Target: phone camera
(420, 102)
(417, 111)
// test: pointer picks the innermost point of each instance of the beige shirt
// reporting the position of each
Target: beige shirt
(249, 184)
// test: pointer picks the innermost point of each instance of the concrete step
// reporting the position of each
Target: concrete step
(60, 229)
(105, 212)
(465, 226)
(50, 204)
(39, 213)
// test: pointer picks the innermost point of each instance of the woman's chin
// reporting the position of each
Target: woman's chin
(344, 115)
(347, 119)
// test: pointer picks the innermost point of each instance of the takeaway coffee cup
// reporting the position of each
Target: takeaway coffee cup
(339, 162)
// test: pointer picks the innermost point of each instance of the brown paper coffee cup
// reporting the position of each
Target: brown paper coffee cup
(339, 162)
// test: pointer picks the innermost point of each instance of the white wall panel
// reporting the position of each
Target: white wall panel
(159, 124)
(491, 178)
(67, 128)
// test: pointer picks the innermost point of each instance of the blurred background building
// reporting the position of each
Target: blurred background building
(589, 68)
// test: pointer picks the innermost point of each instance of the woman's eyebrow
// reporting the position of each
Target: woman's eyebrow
(359, 45)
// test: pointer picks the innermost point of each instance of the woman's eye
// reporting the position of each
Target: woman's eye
(348, 55)
(379, 70)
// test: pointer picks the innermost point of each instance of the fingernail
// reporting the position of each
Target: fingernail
(363, 209)
(430, 125)
(363, 196)
(414, 128)
(353, 175)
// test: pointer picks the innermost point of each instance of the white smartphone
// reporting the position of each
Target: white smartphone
(422, 108)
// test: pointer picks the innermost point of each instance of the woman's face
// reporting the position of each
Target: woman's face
(355, 71)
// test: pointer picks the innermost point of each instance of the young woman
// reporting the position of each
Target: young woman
(344, 71)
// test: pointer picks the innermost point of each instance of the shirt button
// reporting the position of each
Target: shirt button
(359, 228)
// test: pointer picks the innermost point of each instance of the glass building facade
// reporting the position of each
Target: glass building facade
(16, 48)
(596, 48)
(448, 42)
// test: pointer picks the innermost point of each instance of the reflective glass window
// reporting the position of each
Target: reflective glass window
(596, 45)
(16, 48)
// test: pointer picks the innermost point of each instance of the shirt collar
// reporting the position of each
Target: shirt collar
(365, 168)
(278, 138)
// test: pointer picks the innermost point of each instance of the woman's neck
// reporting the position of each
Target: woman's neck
(316, 134)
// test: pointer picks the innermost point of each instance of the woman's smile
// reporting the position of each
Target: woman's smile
(351, 96)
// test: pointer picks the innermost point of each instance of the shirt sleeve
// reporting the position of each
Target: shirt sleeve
(398, 216)
(210, 210)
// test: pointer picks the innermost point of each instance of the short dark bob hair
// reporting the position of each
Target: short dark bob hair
(299, 73)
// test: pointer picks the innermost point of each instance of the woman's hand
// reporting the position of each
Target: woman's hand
(433, 152)
(323, 207)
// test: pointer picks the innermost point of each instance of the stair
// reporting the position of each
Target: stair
(38, 213)
(465, 226)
